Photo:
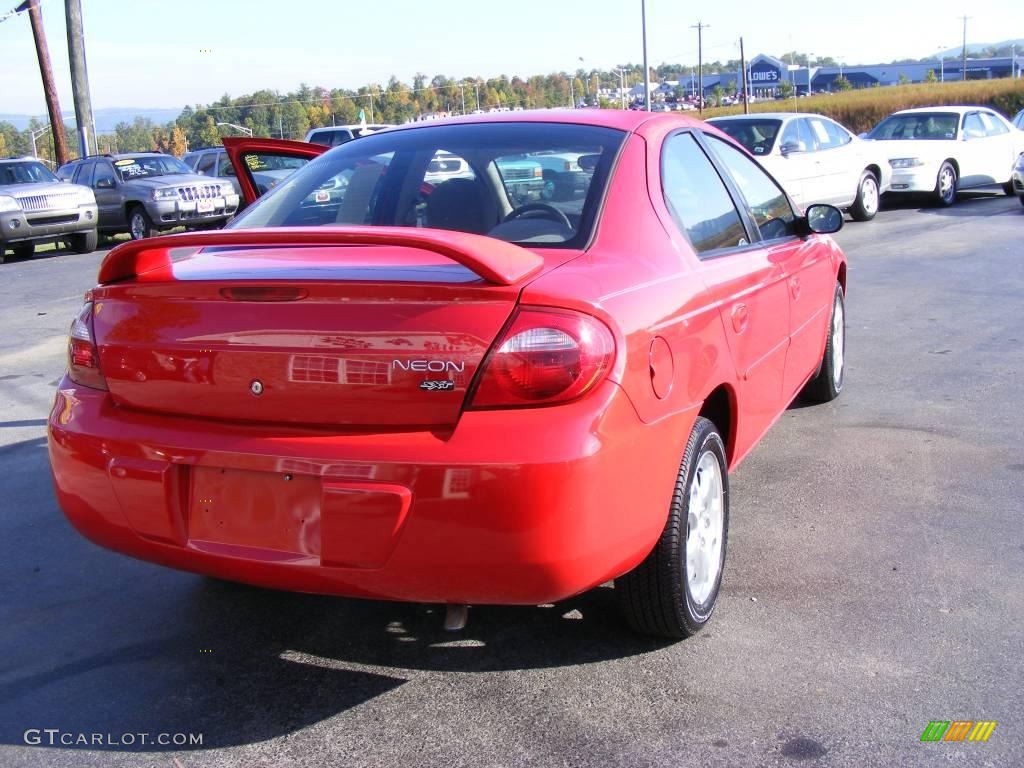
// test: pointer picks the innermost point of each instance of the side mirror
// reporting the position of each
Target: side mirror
(823, 219)
(788, 147)
(104, 184)
(588, 162)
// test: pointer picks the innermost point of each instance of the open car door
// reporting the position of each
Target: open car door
(261, 164)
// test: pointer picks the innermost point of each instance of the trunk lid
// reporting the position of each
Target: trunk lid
(363, 336)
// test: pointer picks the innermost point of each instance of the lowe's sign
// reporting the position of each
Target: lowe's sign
(764, 73)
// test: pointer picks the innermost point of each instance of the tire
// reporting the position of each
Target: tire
(945, 185)
(673, 592)
(140, 226)
(865, 206)
(84, 242)
(1008, 188)
(1021, 198)
(828, 382)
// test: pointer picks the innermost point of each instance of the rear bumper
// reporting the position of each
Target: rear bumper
(511, 507)
(18, 226)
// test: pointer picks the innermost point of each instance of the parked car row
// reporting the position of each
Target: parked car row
(934, 150)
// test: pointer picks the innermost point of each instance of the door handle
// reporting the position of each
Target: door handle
(794, 288)
(740, 317)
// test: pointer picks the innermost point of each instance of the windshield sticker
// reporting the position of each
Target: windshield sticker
(121, 163)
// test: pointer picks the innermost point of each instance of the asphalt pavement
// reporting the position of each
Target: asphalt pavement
(874, 583)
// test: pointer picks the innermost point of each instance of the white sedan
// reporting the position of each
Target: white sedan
(815, 159)
(942, 150)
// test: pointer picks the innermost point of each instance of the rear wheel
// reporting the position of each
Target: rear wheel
(865, 206)
(945, 185)
(140, 226)
(84, 242)
(828, 383)
(672, 593)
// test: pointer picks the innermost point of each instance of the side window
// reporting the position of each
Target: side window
(103, 171)
(973, 127)
(837, 135)
(993, 126)
(798, 132)
(66, 172)
(226, 168)
(697, 197)
(207, 164)
(767, 202)
(820, 133)
(84, 175)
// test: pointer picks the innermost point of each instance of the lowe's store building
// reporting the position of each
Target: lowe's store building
(766, 74)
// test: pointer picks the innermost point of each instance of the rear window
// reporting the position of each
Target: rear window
(490, 179)
(331, 137)
(918, 125)
(758, 136)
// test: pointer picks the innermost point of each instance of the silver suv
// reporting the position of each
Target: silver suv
(142, 193)
(36, 208)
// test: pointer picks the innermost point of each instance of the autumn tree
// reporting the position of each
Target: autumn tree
(177, 145)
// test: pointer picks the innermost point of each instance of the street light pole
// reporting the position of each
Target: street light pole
(37, 134)
(242, 128)
(809, 57)
(647, 72)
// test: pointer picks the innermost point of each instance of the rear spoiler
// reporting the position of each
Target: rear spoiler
(493, 260)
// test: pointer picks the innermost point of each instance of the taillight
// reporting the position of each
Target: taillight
(83, 357)
(545, 356)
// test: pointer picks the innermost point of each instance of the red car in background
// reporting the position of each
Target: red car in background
(373, 386)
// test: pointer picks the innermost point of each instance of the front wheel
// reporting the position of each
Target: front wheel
(21, 251)
(945, 185)
(140, 226)
(828, 383)
(673, 592)
(1008, 188)
(865, 206)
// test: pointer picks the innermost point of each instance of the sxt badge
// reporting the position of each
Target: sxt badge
(437, 386)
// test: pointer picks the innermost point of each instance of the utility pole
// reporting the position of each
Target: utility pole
(746, 93)
(647, 71)
(700, 27)
(963, 71)
(80, 78)
(60, 146)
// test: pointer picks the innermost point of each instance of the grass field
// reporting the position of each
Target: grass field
(859, 110)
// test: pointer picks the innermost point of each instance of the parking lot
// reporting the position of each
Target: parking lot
(874, 581)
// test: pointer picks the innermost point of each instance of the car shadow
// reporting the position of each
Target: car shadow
(97, 643)
(972, 203)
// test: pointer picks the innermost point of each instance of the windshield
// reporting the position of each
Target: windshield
(129, 168)
(758, 136)
(530, 183)
(25, 173)
(918, 125)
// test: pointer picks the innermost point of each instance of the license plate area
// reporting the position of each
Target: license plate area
(204, 206)
(260, 510)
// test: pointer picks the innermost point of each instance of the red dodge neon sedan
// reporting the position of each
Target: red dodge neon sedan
(380, 384)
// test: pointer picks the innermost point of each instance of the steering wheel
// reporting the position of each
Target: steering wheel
(547, 211)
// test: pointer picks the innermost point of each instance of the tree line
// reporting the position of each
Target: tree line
(291, 115)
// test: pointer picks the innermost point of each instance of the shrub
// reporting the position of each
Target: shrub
(861, 109)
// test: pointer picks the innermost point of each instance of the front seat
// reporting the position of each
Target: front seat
(462, 205)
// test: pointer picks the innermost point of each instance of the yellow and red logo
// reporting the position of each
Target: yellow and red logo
(958, 730)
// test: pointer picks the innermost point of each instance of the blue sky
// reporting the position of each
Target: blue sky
(145, 53)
